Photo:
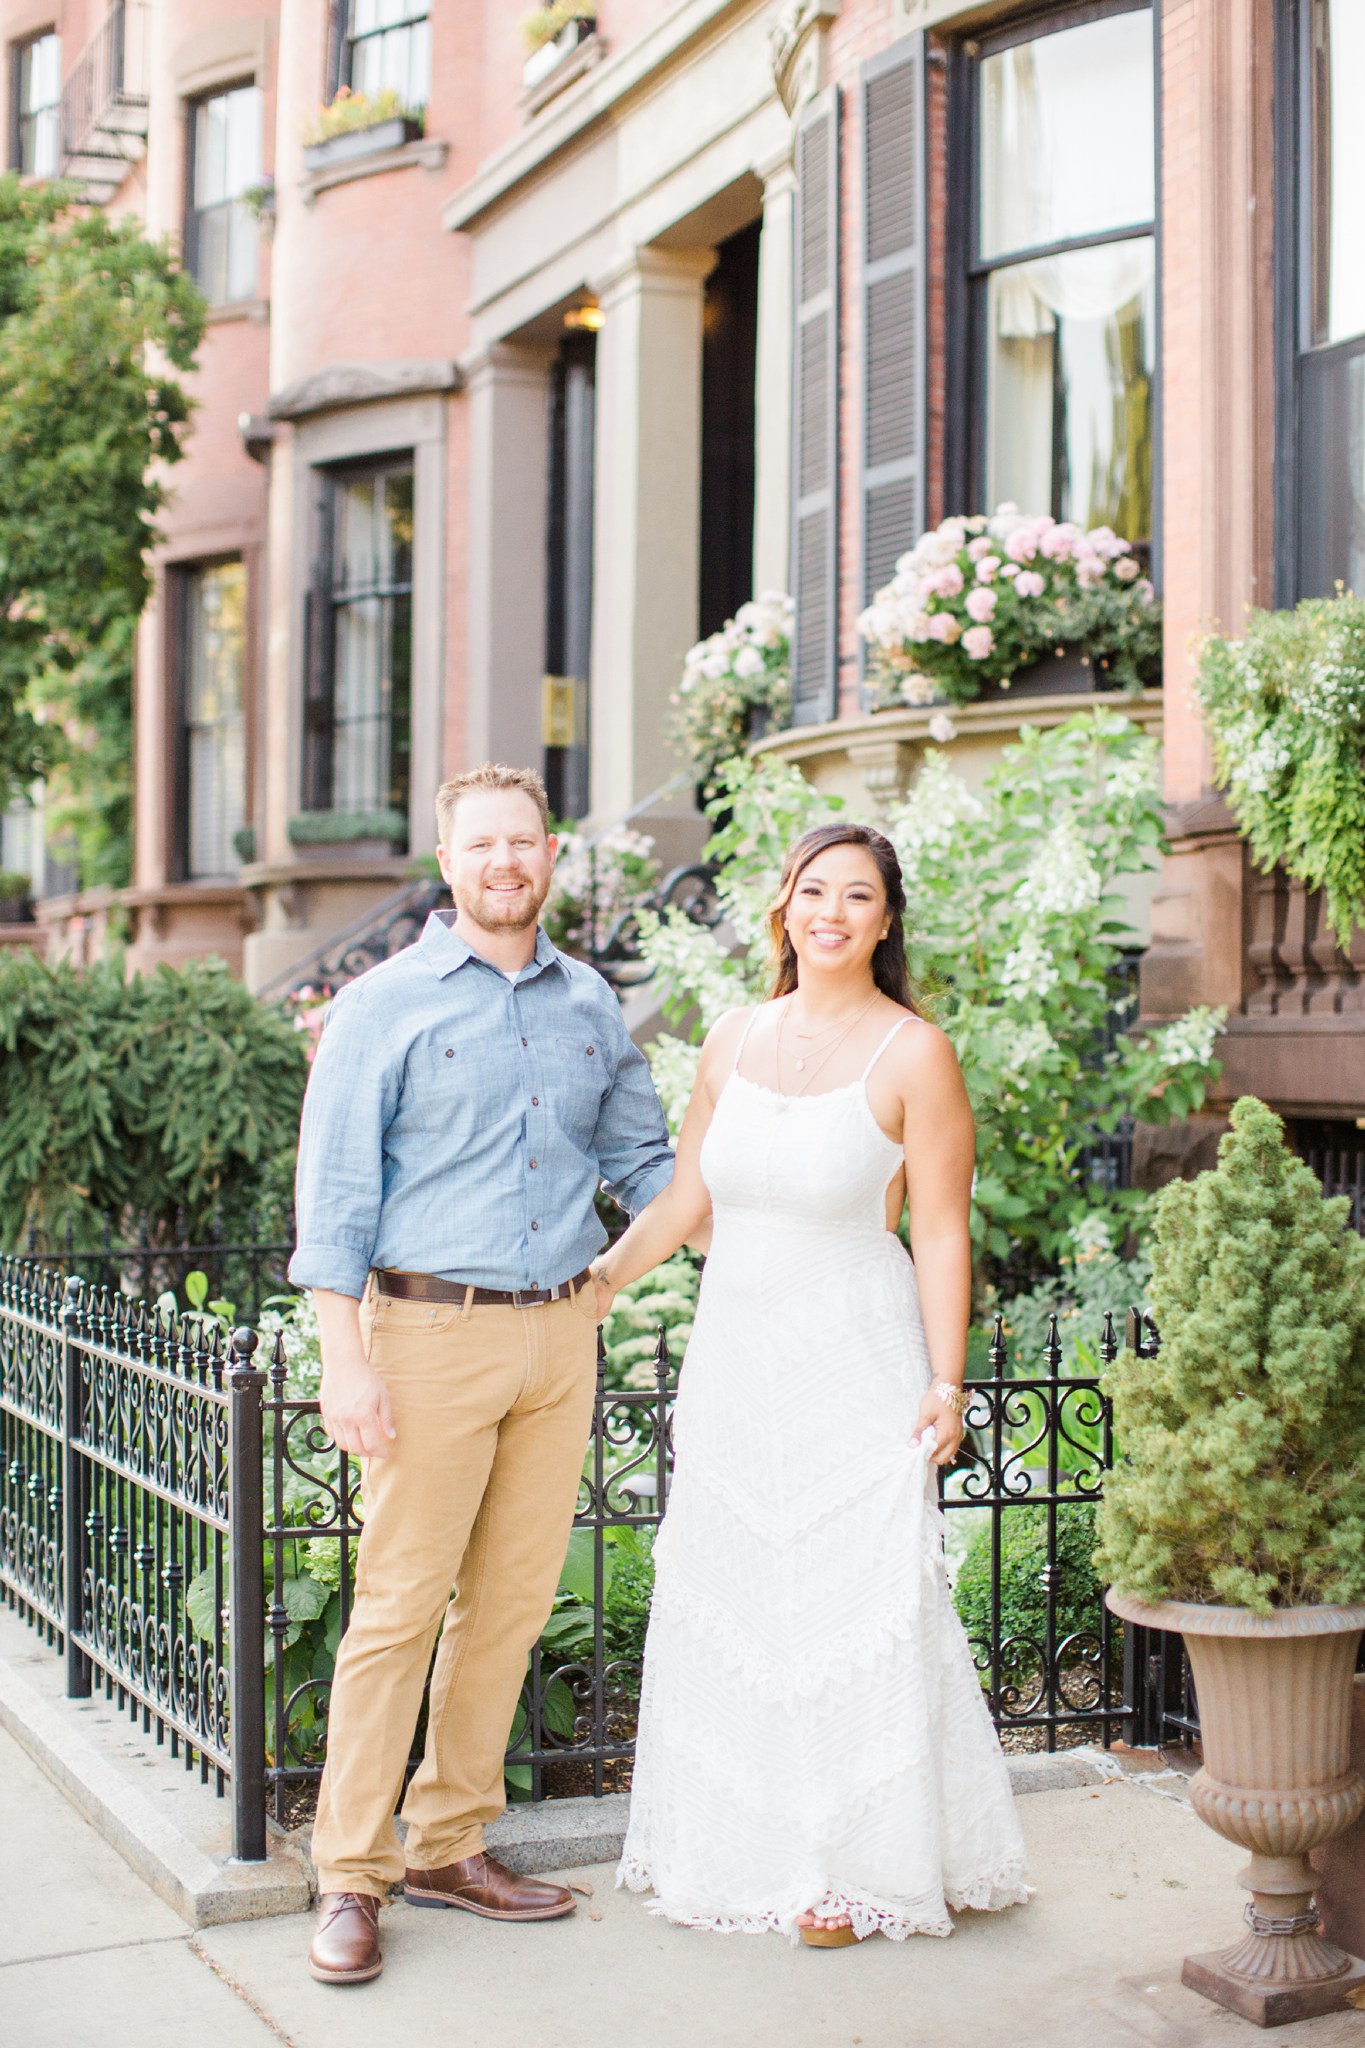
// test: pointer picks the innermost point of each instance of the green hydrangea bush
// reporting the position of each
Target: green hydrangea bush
(1241, 1477)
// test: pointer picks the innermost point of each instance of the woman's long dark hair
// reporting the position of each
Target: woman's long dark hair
(889, 969)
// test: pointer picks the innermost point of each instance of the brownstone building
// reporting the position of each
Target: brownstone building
(545, 373)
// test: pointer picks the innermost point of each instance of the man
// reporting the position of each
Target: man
(467, 1099)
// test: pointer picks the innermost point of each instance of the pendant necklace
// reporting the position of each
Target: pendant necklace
(826, 1053)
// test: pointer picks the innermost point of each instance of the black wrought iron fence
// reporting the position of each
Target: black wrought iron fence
(238, 1266)
(174, 1519)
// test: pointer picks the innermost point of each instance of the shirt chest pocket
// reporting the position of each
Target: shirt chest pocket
(578, 1075)
(469, 1084)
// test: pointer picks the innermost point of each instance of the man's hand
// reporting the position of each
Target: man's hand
(355, 1409)
(355, 1403)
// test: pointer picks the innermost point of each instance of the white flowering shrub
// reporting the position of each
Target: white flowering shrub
(1285, 708)
(1016, 933)
(976, 600)
(742, 670)
(596, 883)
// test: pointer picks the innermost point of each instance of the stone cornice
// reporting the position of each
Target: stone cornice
(586, 104)
(343, 384)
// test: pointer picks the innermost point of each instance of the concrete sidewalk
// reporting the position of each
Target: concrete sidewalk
(1128, 1880)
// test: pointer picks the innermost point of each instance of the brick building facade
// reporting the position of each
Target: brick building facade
(543, 377)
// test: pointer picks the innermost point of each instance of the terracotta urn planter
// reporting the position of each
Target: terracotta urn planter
(1275, 1697)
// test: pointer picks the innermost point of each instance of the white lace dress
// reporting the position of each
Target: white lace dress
(812, 1730)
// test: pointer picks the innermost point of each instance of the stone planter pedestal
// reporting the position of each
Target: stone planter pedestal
(1275, 1722)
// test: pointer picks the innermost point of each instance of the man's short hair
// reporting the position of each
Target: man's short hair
(492, 775)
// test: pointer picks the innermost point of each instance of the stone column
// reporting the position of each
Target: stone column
(507, 392)
(772, 493)
(646, 529)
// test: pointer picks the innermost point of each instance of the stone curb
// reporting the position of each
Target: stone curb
(1057, 1772)
(204, 1887)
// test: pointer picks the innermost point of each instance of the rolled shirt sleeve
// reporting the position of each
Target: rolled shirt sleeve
(631, 1140)
(339, 1187)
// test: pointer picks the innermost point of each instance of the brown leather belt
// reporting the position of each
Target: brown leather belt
(426, 1287)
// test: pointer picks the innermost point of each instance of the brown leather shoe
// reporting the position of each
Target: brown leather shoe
(346, 1942)
(483, 1885)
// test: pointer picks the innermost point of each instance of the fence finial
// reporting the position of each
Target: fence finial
(244, 1342)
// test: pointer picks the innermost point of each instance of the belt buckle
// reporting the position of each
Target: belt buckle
(527, 1297)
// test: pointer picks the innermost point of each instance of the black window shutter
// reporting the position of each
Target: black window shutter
(815, 415)
(891, 455)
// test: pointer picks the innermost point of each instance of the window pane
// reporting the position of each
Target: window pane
(1069, 395)
(1067, 138)
(40, 93)
(390, 49)
(371, 584)
(227, 145)
(1338, 254)
(214, 718)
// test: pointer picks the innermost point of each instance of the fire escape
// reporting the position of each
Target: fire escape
(105, 103)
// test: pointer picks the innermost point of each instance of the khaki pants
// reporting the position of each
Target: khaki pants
(492, 1408)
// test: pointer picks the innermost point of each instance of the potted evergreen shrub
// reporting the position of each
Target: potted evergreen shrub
(1236, 1515)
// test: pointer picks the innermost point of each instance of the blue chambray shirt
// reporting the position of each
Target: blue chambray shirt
(459, 1123)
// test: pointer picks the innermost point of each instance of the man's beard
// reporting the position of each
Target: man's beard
(492, 913)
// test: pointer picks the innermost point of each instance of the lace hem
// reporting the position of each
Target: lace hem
(867, 1914)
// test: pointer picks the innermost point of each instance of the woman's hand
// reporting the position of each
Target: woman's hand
(939, 1415)
(603, 1289)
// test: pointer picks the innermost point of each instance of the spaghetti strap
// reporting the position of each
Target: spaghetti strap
(744, 1037)
(882, 1047)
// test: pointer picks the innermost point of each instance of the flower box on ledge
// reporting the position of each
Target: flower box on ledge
(550, 55)
(349, 835)
(353, 142)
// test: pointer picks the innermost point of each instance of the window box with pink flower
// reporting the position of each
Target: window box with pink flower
(980, 605)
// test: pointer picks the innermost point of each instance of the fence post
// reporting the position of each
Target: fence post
(246, 1598)
(75, 1497)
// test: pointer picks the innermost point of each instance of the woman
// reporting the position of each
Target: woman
(814, 1752)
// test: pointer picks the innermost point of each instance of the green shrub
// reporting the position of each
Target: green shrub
(1242, 1469)
(1023, 1599)
(1285, 707)
(170, 1100)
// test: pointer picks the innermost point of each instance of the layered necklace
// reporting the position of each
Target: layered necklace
(819, 1047)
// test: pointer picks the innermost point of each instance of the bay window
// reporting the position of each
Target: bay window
(386, 46)
(1321, 260)
(1061, 269)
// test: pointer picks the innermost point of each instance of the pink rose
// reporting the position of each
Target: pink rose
(944, 627)
(981, 606)
(1009, 568)
(944, 582)
(1022, 544)
(979, 547)
(1125, 569)
(1029, 583)
(987, 567)
(978, 642)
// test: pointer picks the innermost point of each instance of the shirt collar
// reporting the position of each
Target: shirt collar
(447, 951)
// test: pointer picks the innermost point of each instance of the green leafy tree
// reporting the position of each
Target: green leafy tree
(97, 325)
(1242, 1475)
(1017, 928)
(171, 1099)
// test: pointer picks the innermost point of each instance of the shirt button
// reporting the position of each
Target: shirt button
(450, 1052)
(525, 1041)
(592, 1049)
(535, 1102)
(535, 1226)
(533, 1166)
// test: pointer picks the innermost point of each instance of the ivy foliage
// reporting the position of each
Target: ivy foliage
(1242, 1474)
(97, 326)
(1285, 707)
(1017, 927)
(169, 1101)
